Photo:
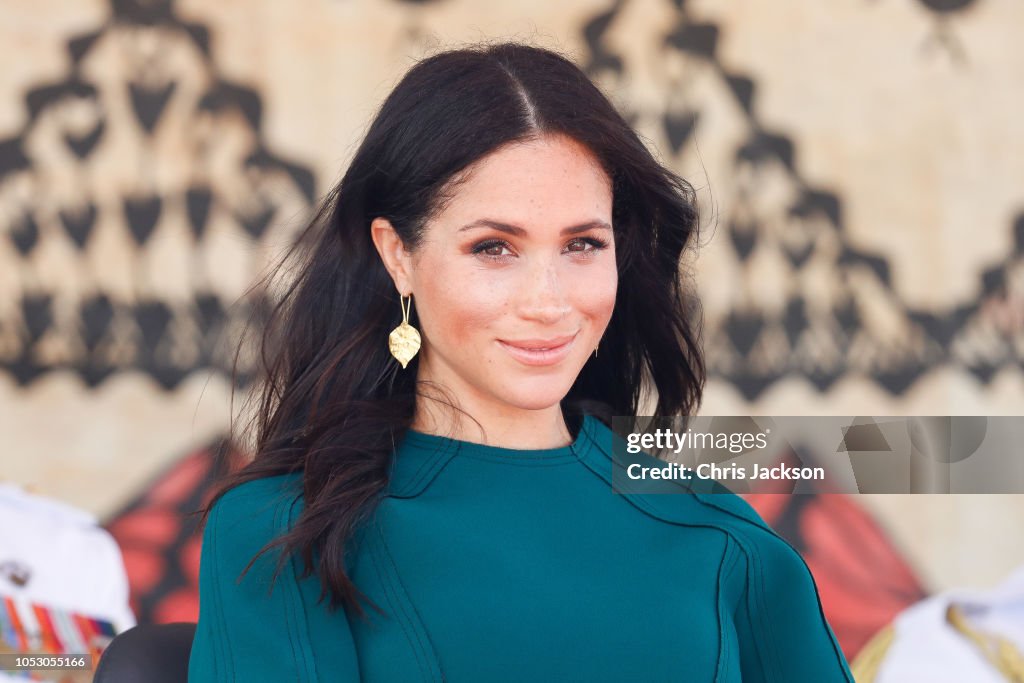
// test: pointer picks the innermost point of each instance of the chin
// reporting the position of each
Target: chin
(535, 395)
(540, 405)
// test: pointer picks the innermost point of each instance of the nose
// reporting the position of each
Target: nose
(544, 294)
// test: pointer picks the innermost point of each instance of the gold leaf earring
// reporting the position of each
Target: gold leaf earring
(404, 340)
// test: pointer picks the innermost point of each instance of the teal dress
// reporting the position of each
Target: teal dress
(498, 564)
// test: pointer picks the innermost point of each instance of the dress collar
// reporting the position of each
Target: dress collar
(419, 457)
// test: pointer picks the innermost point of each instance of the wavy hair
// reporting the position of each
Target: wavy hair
(331, 401)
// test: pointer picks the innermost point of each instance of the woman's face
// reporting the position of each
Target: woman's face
(514, 282)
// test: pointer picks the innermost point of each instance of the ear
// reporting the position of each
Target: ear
(392, 252)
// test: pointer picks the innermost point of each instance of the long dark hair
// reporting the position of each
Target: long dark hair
(333, 402)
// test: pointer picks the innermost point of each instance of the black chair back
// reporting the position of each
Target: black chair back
(148, 653)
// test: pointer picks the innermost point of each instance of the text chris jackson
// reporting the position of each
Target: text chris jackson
(719, 472)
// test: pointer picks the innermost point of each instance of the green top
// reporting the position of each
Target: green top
(497, 564)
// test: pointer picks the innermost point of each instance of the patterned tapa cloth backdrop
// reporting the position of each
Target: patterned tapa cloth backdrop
(858, 167)
(127, 172)
(798, 293)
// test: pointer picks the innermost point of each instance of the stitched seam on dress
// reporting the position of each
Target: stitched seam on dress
(309, 663)
(388, 588)
(646, 508)
(730, 567)
(757, 595)
(427, 470)
(515, 461)
(224, 640)
(289, 619)
(438, 464)
(734, 557)
(769, 656)
(700, 498)
(443, 456)
(249, 490)
(769, 628)
(587, 429)
(821, 612)
(430, 653)
(721, 663)
(749, 591)
(836, 650)
(531, 458)
(572, 456)
(387, 596)
(419, 474)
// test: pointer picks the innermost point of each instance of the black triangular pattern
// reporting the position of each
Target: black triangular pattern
(142, 214)
(37, 313)
(821, 379)
(25, 234)
(798, 254)
(744, 239)
(698, 39)
(79, 46)
(944, 329)
(23, 369)
(198, 200)
(97, 314)
(78, 223)
(601, 59)
(152, 318)
(144, 12)
(12, 156)
(200, 36)
(256, 223)
(105, 321)
(944, 6)
(149, 103)
(82, 146)
(743, 90)
(795, 319)
(43, 97)
(743, 329)
(210, 311)
(264, 159)
(225, 95)
(679, 127)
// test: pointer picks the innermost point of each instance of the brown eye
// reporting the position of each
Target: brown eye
(491, 249)
(586, 245)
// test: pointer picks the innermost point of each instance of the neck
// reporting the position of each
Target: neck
(504, 427)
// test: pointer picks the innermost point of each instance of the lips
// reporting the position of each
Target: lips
(539, 351)
(539, 344)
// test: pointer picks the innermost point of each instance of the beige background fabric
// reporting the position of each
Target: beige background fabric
(894, 128)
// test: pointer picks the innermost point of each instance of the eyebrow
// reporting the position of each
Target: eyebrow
(518, 231)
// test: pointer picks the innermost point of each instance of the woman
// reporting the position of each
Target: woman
(495, 276)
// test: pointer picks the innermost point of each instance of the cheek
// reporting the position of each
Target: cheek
(459, 307)
(595, 292)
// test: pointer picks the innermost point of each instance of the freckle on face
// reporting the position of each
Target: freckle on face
(543, 285)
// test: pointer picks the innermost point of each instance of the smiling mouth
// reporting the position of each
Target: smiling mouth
(539, 351)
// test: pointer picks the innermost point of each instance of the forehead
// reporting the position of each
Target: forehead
(551, 181)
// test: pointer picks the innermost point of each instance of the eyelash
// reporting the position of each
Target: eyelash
(479, 249)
